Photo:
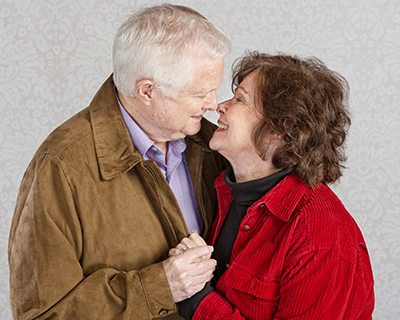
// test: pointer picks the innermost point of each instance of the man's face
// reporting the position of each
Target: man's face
(174, 118)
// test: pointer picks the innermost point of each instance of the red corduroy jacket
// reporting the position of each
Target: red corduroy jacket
(298, 255)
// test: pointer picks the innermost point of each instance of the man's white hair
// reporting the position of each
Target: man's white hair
(160, 43)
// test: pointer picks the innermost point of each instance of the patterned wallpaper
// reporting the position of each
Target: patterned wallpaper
(54, 54)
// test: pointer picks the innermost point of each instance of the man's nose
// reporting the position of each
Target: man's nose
(211, 102)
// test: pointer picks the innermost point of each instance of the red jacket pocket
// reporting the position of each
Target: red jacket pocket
(247, 281)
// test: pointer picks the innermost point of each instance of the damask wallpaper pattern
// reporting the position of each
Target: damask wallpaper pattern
(54, 54)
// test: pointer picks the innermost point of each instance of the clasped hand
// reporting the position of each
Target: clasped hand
(189, 267)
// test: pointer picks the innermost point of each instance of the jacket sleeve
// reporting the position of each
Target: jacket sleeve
(322, 284)
(45, 258)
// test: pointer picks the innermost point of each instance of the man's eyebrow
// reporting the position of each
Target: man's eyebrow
(200, 93)
(205, 91)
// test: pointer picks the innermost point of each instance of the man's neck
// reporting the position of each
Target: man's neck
(128, 104)
(163, 146)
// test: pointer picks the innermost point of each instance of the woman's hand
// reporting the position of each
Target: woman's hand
(193, 241)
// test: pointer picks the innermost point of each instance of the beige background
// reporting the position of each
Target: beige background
(54, 54)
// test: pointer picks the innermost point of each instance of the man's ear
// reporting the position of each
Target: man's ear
(145, 90)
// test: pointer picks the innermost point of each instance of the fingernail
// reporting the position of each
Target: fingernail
(194, 231)
(212, 248)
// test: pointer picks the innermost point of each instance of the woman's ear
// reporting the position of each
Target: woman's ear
(275, 138)
(145, 90)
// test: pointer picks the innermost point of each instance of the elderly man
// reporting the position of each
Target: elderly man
(112, 189)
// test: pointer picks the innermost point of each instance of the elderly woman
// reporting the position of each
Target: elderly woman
(285, 245)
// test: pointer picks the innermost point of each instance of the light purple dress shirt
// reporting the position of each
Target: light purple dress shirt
(176, 172)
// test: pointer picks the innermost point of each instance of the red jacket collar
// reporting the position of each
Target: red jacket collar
(281, 201)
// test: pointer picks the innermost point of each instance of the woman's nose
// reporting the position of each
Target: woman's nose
(221, 109)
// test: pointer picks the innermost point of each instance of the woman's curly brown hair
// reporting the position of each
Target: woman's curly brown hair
(306, 104)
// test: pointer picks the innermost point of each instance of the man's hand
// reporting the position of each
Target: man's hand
(188, 272)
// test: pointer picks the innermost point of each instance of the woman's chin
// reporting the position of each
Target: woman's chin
(214, 144)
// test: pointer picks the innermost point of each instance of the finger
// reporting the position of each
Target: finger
(199, 241)
(196, 253)
(202, 270)
(204, 267)
(200, 282)
(193, 289)
(186, 279)
(174, 252)
(188, 243)
(181, 247)
(194, 285)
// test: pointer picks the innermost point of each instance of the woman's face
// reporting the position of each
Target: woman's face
(238, 117)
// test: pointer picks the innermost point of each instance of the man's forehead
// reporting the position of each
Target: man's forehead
(209, 74)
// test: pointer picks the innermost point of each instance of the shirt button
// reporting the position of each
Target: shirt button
(262, 205)
(227, 265)
(246, 227)
(163, 312)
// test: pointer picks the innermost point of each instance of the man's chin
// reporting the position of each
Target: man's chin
(192, 130)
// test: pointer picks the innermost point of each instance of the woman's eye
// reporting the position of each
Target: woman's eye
(238, 100)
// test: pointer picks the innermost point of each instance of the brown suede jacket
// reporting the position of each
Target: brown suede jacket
(94, 220)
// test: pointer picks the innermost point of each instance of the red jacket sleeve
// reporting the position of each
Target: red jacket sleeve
(323, 285)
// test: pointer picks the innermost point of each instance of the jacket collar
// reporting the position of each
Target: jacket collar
(113, 144)
(285, 197)
(114, 148)
(281, 200)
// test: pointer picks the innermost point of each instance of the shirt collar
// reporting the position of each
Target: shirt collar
(140, 140)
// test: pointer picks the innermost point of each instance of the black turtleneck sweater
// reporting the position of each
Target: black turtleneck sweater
(244, 194)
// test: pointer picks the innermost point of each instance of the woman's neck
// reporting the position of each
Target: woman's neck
(252, 168)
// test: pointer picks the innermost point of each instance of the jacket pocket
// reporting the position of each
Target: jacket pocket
(250, 282)
(256, 296)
